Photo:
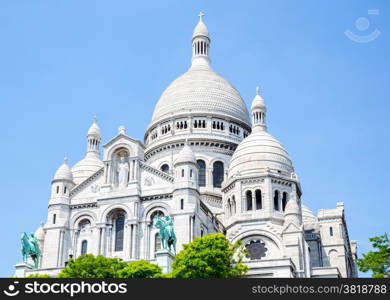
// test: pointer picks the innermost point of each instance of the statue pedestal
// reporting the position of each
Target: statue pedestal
(164, 259)
(21, 268)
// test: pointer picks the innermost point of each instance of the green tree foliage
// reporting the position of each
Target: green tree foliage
(89, 266)
(140, 269)
(39, 276)
(377, 261)
(211, 256)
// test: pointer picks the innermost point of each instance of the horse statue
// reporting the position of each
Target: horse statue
(166, 234)
(30, 248)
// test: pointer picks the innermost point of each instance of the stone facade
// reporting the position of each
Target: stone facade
(211, 166)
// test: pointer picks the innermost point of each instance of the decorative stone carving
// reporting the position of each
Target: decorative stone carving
(149, 181)
(95, 188)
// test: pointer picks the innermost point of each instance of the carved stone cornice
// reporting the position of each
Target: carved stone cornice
(84, 205)
(156, 197)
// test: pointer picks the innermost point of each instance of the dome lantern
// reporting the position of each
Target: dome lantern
(258, 110)
(200, 44)
(91, 163)
(93, 138)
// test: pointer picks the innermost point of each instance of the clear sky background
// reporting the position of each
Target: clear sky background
(61, 62)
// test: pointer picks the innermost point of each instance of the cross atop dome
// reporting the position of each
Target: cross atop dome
(201, 15)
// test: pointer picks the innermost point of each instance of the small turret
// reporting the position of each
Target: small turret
(62, 182)
(91, 163)
(93, 138)
(259, 111)
(292, 213)
(186, 169)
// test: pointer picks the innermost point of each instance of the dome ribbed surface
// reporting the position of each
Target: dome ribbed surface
(201, 90)
(63, 172)
(186, 155)
(200, 30)
(257, 152)
(94, 129)
(258, 102)
(86, 167)
(292, 208)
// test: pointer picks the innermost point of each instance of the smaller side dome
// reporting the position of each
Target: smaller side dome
(186, 155)
(86, 167)
(260, 151)
(40, 233)
(64, 172)
(201, 28)
(94, 129)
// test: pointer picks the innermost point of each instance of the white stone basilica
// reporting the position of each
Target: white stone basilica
(210, 165)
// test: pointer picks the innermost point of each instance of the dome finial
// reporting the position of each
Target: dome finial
(65, 160)
(201, 15)
(94, 119)
(257, 91)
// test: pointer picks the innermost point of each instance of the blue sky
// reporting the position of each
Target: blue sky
(61, 62)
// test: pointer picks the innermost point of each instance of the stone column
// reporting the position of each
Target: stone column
(106, 172)
(130, 177)
(127, 241)
(209, 177)
(99, 240)
(109, 173)
(134, 242)
(191, 228)
(109, 241)
(137, 170)
(269, 197)
(60, 248)
(103, 241)
(74, 241)
(147, 240)
(134, 167)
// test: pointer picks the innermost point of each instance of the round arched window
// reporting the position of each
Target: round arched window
(84, 224)
(156, 213)
(218, 171)
(202, 172)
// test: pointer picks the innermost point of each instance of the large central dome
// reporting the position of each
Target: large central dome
(201, 90)
(200, 107)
